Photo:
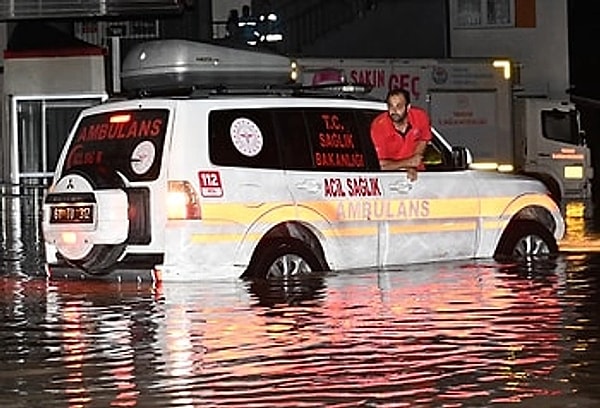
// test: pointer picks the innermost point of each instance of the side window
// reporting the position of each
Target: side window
(364, 120)
(338, 142)
(432, 157)
(295, 145)
(244, 138)
(437, 156)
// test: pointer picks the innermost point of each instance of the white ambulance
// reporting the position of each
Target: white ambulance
(264, 183)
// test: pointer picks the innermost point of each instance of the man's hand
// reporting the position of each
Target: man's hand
(411, 174)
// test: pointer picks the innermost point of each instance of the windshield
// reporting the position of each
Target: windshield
(560, 125)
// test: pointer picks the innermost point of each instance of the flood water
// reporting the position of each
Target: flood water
(464, 334)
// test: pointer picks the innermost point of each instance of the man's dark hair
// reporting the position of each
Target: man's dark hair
(397, 92)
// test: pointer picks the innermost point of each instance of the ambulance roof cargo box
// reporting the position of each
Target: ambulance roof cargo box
(180, 64)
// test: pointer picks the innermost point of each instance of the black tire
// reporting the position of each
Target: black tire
(273, 292)
(524, 240)
(100, 259)
(286, 258)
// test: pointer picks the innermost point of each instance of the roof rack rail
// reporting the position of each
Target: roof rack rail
(292, 89)
(276, 89)
(192, 91)
(338, 89)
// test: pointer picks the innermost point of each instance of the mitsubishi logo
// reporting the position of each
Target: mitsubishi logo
(70, 185)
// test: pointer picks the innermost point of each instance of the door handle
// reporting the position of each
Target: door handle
(309, 185)
(401, 186)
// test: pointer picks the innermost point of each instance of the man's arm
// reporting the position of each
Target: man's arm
(413, 161)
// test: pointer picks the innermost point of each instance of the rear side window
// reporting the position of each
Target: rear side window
(128, 142)
(244, 138)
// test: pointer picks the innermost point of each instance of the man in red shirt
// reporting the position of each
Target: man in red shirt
(400, 135)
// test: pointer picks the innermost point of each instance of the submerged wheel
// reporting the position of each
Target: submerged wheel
(284, 258)
(100, 259)
(526, 239)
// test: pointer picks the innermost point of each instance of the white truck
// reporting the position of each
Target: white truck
(475, 103)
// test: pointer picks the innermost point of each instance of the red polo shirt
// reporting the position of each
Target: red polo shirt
(391, 144)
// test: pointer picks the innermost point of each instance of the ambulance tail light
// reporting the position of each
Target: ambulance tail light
(182, 201)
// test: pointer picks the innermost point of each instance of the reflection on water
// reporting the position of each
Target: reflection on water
(20, 232)
(582, 228)
(470, 334)
(445, 335)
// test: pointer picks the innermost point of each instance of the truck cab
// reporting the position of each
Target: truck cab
(551, 147)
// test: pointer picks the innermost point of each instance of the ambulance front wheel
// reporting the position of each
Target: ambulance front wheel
(284, 258)
(524, 240)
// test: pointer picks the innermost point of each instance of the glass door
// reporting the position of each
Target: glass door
(40, 128)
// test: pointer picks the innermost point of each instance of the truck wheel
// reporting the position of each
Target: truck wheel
(283, 258)
(526, 239)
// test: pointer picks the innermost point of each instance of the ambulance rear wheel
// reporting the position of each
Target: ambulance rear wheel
(100, 259)
(524, 240)
(283, 259)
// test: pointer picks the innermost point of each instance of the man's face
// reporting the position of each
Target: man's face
(397, 108)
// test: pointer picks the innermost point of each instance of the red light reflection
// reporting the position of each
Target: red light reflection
(421, 336)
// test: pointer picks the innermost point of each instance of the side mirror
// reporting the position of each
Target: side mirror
(582, 138)
(461, 158)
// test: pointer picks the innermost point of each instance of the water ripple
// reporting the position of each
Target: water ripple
(448, 335)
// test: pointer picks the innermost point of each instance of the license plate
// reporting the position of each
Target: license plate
(72, 214)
